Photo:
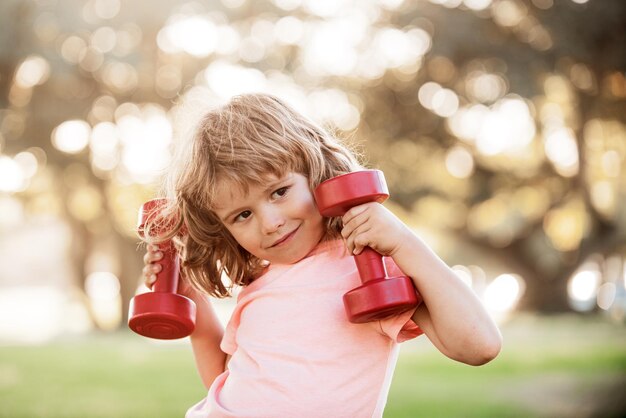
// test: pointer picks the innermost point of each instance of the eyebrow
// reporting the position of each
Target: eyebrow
(269, 188)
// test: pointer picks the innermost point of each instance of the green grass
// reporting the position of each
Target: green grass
(549, 367)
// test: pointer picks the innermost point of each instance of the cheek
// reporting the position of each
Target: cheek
(307, 206)
(242, 238)
(310, 212)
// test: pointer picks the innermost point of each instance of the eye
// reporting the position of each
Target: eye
(280, 192)
(242, 216)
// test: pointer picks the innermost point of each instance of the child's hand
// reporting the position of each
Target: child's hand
(152, 266)
(372, 225)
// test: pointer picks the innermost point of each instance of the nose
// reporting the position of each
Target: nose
(271, 220)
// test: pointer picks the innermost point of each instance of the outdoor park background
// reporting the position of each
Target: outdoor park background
(500, 126)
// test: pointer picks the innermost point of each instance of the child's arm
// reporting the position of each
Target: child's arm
(451, 315)
(205, 339)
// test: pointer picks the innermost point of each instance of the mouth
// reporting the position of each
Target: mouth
(285, 238)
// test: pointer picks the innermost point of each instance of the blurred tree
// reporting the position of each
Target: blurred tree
(501, 122)
(538, 213)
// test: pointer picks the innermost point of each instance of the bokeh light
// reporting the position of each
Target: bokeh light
(71, 136)
(195, 35)
(12, 176)
(583, 287)
(103, 290)
(33, 71)
(503, 293)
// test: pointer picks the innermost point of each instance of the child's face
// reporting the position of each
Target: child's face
(277, 221)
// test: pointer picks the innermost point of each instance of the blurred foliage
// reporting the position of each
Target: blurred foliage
(499, 124)
(561, 366)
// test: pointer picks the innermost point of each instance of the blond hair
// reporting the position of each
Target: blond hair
(243, 141)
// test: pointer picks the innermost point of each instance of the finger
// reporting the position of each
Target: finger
(151, 248)
(358, 239)
(361, 239)
(348, 242)
(151, 257)
(353, 212)
(360, 242)
(156, 256)
(149, 282)
(151, 269)
(354, 223)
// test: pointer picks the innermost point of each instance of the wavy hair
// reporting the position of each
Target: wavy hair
(245, 140)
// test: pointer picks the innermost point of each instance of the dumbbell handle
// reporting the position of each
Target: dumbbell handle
(167, 278)
(370, 265)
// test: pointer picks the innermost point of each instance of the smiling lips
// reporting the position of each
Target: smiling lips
(285, 238)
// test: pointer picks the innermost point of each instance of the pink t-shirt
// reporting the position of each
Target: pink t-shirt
(294, 353)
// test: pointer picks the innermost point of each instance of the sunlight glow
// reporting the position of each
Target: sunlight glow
(85, 203)
(228, 40)
(195, 35)
(12, 211)
(104, 145)
(33, 71)
(427, 92)
(399, 48)
(567, 225)
(604, 197)
(485, 87)
(128, 39)
(72, 48)
(27, 162)
(330, 48)
(106, 9)
(392, 4)
(325, 8)
(12, 177)
(71, 136)
(503, 293)
(145, 140)
(35, 313)
(287, 4)
(103, 290)
(606, 295)
(227, 80)
(289, 30)
(332, 105)
(509, 13)
(562, 151)
(583, 286)
(477, 4)
(445, 103)
(104, 38)
(467, 122)
(120, 77)
(459, 162)
(102, 285)
(507, 128)
(611, 163)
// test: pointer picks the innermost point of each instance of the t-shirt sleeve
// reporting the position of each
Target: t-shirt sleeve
(229, 341)
(400, 327)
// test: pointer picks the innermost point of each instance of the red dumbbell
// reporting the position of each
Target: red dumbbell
(379, 296)
(162, 314)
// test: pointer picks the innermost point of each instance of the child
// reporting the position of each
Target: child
(243, 191)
